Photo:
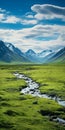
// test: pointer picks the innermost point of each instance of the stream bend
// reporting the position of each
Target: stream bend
(32, 88)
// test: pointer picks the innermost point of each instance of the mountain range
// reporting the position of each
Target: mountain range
(9, 53)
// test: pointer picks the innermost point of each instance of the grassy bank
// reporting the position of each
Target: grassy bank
(24, 112)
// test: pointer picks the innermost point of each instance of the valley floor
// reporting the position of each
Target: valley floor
(25, 112)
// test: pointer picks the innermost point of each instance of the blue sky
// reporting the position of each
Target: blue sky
(35, 24)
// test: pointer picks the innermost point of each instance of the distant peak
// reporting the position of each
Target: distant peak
(30, 51)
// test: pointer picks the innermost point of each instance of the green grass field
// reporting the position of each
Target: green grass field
(25, 112)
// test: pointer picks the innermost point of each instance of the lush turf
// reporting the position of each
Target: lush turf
(24, 112)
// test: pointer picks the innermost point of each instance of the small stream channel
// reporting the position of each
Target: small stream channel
(32, 88)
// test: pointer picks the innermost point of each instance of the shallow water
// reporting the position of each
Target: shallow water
(60, 120)
(32, 88)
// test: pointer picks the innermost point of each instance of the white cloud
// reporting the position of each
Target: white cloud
(6, 17)
(28, 37)
(2, 10)
(29, 16)
(26, 22)
(44, 11)
(47, 11)
(1, 17)
(11, 19)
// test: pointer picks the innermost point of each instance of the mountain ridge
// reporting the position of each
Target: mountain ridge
(10, 53)
(7, 55)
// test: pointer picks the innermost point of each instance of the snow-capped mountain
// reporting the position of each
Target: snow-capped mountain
(14, 49)
(7, 54)
(38, 57)
(30, 52)
(10, 46)
(46, 56)
(31, 55)
(45, 53)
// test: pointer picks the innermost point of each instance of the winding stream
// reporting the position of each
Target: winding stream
(32, 88)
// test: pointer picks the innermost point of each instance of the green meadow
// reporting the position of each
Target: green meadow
(25, 112)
